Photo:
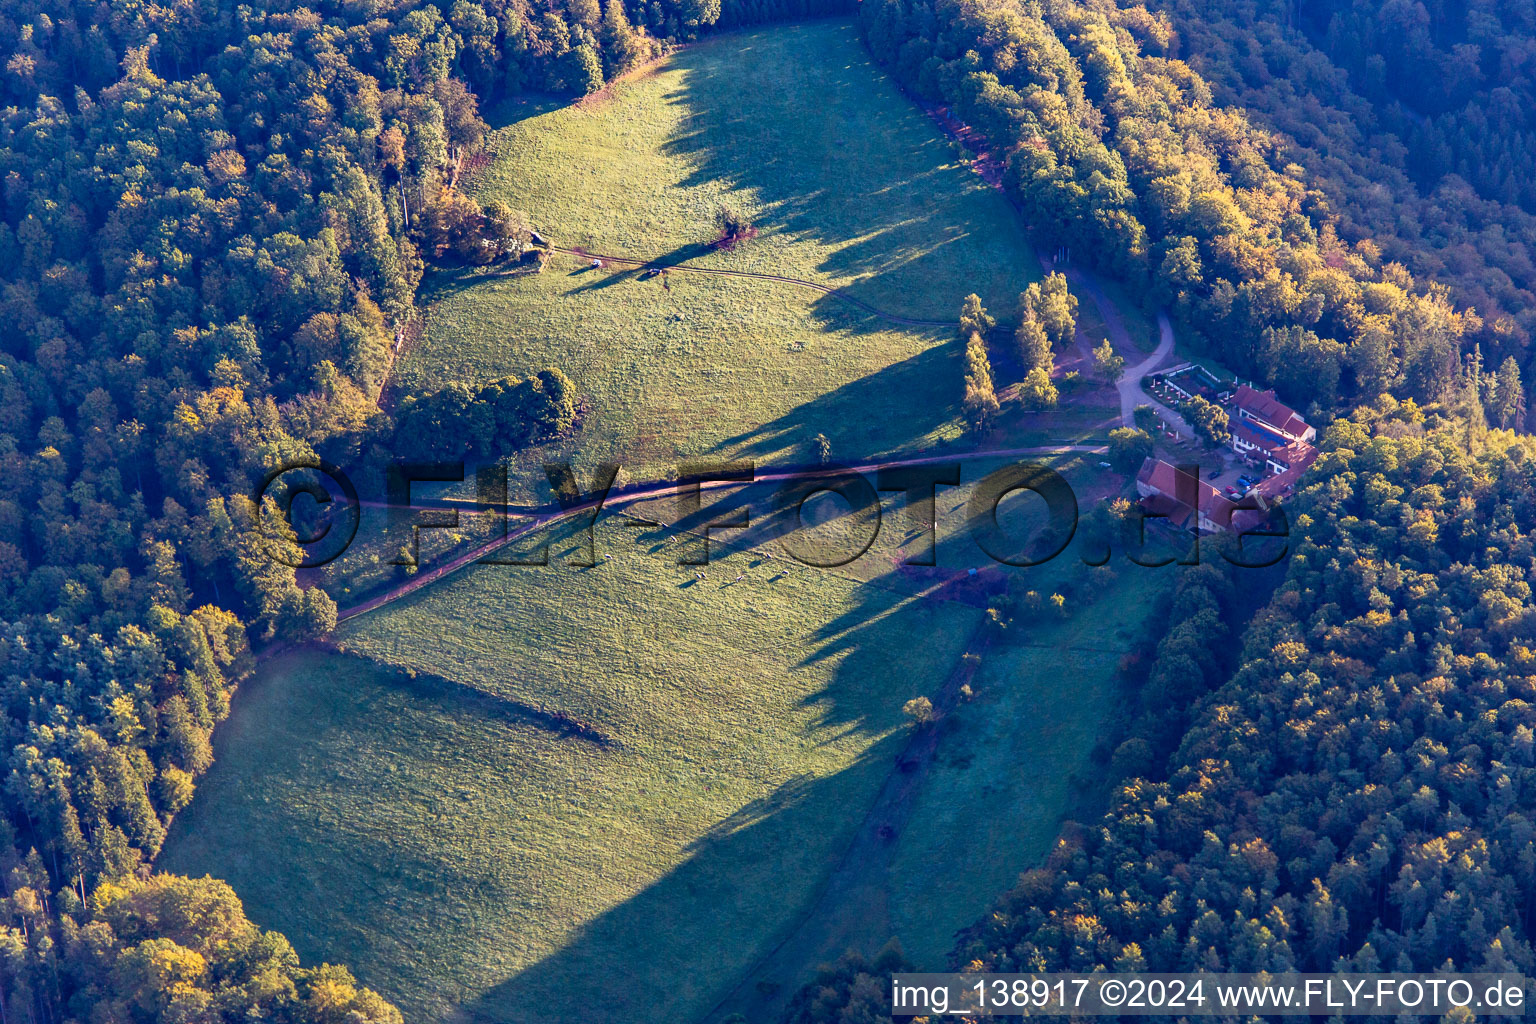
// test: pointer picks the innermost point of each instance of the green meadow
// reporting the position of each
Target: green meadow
(525, 786)
(847, 184)
(609, 780)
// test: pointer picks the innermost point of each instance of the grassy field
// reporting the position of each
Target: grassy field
(630, 774)
(476, 853)
(848, 185)
(1019, 755)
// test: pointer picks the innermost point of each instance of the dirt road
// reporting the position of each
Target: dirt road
(1133, 394)
(539, 518)
(1129, 386)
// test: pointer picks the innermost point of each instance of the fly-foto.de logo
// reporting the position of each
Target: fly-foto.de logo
(309, 512)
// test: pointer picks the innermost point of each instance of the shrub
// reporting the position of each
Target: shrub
(919, 709)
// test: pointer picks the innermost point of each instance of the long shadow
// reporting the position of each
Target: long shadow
(598, 280)
(899, 396)
(677, 942)
(666, 953)
(676, 258)
(443, 281)
(808, 177)
(611, 276)
(815, 175)
(698, 930)
(496, 707)
(828, 311)
(690, 933)
(521, 108)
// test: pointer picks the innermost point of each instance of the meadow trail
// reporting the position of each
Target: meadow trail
(1129, 386)
(852, 905)
(550, 514)
(631, 263)
(849, 895)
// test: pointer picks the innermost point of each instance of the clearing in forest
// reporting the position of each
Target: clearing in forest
(529, 793)
(847, 184)
(627, 784)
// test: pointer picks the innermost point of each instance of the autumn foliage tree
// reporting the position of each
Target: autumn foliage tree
(980, 404)
(1209, 420)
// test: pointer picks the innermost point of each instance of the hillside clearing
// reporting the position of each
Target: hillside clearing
(848, 185)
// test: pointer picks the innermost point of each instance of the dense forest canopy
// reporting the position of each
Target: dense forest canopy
(1457, 81)
(1425, 199)
(1120, 150)
(1357, 795)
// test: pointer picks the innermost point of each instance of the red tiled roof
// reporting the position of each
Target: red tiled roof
(1176, 494)
(1265, 406)
(1176, 512)
(1247, 519)
(1298, 457)
(1166, 478)
(1226, 515)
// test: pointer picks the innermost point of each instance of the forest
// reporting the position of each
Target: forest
(1119, 149)
(1388, 169)
(216, 219)
(1356, 795)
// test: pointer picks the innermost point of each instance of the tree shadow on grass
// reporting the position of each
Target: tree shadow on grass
(413, 916)
(444, 280)
(818, 176)
(758, 553)
(598, 280)
(851, 166)
(672, 950)
(882, 412)
(521, 108)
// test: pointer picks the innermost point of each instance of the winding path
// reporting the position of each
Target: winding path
(547, 515)
(1129, 386)
(1133, 394)
(833, 919)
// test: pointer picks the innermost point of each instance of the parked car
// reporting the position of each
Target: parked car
(1106, 465)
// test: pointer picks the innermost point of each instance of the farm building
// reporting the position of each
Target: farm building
(1268, 431)
(1189, 502)
(1256, 441)
(1286, 465)
(1263, 409)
